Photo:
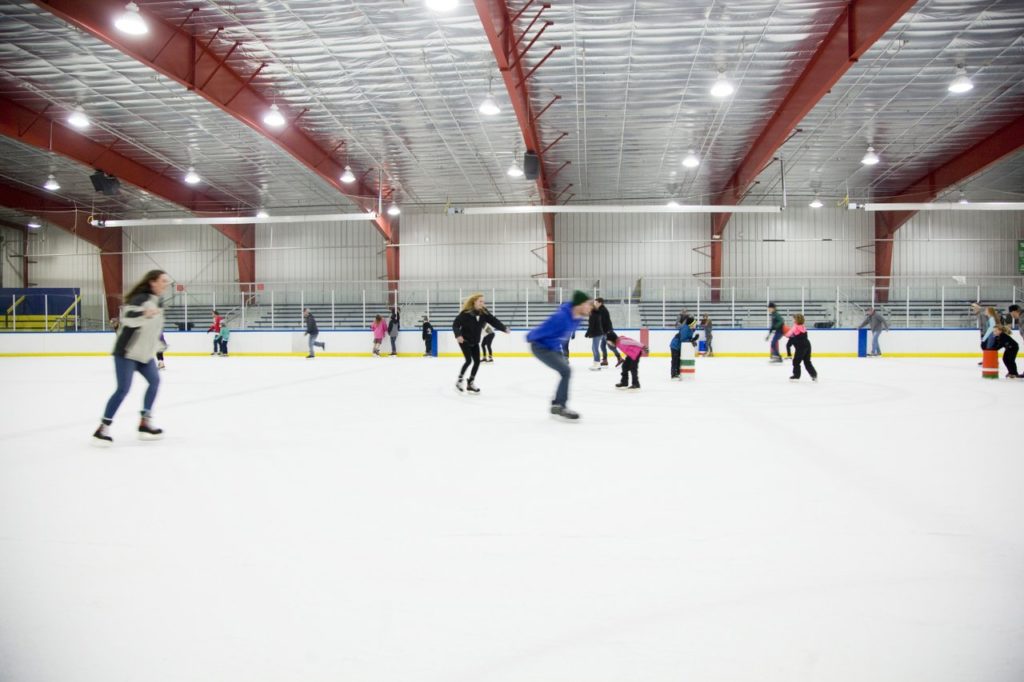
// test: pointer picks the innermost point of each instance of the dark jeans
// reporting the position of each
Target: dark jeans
(675, 362)
(631, 367)
(426, 345)
(806, 359)
(125, 369)
(472, 354)
(488, 340)
(223, 345)
(393, 339)
(775, 343)
(559, 363)
(1010, 360)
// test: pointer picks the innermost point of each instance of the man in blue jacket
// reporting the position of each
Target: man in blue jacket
(546, 343)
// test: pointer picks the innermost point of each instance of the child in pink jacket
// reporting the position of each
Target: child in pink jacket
(633, 349)
(380, 330)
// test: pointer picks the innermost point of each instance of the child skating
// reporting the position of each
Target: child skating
(1004, 340)
(380, 330)
(683, 336)
(802, 345)
(706, 324)
(633, 350)
(428, 336)
(487, 352)
(775, 331)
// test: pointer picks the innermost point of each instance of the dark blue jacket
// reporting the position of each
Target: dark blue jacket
(685, 335)
(556, 330)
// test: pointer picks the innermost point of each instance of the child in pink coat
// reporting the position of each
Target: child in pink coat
(380, 330)
(633, 349)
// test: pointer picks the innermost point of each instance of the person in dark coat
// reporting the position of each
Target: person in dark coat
(467, 327)
(312, 331)
(1004, 340)
(394, 326)
(606, 322)
(428, 336)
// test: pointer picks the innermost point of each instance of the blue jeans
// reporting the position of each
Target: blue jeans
(775, 343)
(874, 342)
(596, 344)
(313, 342)
(125, 369)
(559, 363)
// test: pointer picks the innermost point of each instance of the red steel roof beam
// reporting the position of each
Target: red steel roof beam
(859, 26)
(188, 61)
(1006, 141)
(498, 26)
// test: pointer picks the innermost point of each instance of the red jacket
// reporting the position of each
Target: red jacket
(217, 319)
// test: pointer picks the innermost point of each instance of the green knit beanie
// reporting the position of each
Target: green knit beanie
(579, 297)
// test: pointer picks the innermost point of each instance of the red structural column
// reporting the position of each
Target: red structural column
(856, 29)
(1002, 143)
(108, 240)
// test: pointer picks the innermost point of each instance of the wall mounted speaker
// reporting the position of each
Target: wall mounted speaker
(531, 166)
(106, 183)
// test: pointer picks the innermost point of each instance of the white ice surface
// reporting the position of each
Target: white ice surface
(351, 519)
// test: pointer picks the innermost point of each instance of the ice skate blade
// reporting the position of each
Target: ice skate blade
(151, 436)
(100, 443)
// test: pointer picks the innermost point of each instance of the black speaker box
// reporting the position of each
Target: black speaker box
(106, 183)
(531, 166)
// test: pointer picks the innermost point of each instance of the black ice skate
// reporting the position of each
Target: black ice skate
(149, 432)
(564, 412)
(471, 387)
(458, 386)
(102, 436)
(634, 387)
(622, 384)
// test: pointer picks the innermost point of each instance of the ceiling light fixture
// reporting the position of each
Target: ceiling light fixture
(191, 177)
(348, 176)
(33, 223)
(442, 5)
(273, 118)
(131, 21)
(672, 203)
(262, 214)
(78, 118)
(722, 86)
(691, 160)
(489, 107)
(394, 210)
(963, 198)
(962, 83)
(51, 183)
(870, 157)
(514, 171)
(816, 203)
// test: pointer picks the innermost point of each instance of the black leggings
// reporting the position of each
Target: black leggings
(630, 367)
(1010, 360)
(472, 354)
(805, 358)
(488, 340)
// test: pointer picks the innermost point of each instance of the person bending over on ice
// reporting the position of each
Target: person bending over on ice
(467, 326)
(684, 335)
(138, 338)
(633, 349)
(1004, 340)
(548, 340)
(802, 344)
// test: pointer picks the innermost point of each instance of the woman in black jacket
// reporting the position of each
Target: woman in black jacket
(467, 326)
(1004, 340)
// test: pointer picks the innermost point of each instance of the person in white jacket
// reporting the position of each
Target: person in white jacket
(138, 340)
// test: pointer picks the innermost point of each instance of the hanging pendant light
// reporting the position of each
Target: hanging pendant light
(961, 83)
(348, 176)
(273, 118)
(78, 118)
(816, 203)
(191, 177)
(51, 183)
(722, 87)
(870, 157)
(394, 210)
(131, 21)
(691, 160)
(442, 5)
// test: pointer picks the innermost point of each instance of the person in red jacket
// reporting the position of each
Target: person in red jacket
(215, 328)
(632, 349)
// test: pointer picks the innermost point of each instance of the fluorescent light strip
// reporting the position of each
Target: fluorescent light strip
(661, 208)
(983, 206)
(237, 220)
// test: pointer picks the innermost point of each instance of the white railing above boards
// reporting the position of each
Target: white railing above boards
(653, 301)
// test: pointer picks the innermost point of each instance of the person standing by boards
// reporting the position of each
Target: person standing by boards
(138, 339)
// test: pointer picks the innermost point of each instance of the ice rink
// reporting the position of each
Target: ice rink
(357, 519)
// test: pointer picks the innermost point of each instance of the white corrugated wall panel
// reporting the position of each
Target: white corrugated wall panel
(10, 245)
(439, 247)
(318, 257)
(979, 246)
(63, 260)
(620, 249)
(196, 256)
